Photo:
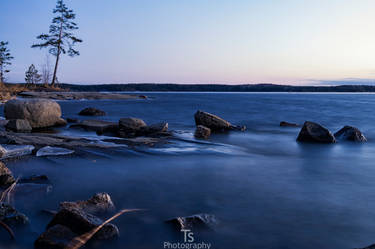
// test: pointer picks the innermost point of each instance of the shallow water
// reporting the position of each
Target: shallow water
(267, 190)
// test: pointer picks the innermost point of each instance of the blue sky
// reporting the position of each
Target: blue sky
(202, 41)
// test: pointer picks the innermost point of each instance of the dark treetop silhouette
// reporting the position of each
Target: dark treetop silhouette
(60, 38)
(5, 58)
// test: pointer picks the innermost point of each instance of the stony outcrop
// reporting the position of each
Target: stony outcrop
(6, 177)
(313, 132)
(350, 133)
(196, 221)
(98, 126)
(287, 124)
(56, 237)
(91, 111)
(215, 123)
(11, 216)
(18, 125)
(99, 203)
(156, 128)
(131, 127)
(40, 113)
(202, 132)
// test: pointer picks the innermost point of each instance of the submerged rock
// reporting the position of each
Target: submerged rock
(34, 179)
(18, 125)
(99, 203)
(98, 126)
(11, 150)
(33, 189)
(215, 123)
(81, 222)
(287, 124)
(53, 151)
(40, 113)
(156, 128)
(56, 237)
(313, 132)
(6, 177)
(350, 133)
(72, 120)
(91, 111)
(202, 132)
(196, 221)
(11, 216)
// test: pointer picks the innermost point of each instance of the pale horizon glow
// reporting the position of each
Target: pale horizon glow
(194, 41)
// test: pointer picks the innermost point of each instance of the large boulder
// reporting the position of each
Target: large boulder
(313, 132)
(196, 221)
(202, 132)
(6, 177)
(99, 203)
(91, 111)
(56, 237)
(18, 125)
(350, 133)
(40, 113)
(215, 123)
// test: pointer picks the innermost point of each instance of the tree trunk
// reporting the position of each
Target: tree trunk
(57, 57)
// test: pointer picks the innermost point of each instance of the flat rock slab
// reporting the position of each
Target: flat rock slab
(53, 151)
(12, 150)
(99, 126)
(77, 95)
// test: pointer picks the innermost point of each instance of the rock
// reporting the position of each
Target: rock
(98, 126)
(211, 121)
(29, 189)
(143, 96)
(6, 177)
(313, 132)
(350, 133)
(99, 203)
(53, 151)
(56, 237)
(11, 216)
(91, 111)
(40, 113)
(34, 179)
(72, 120)
(18, 125)
(156, 128)
(197, 221)
(131, 124)
(368, 247)
(287, 124)
(81, 222)
(11, 150)
(202, 132)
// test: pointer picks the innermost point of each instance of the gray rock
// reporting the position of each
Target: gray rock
(40, 113)
(53, 151)
(196, 221)
(211, 121)
(350, 133)
(313, 132)
(56, 237)
(156, 128)
(91, 111)
(18, 125)
(131, 124)
(202, 132)
(99, 203)
(287, 124)
(11, 216)
(6, 177)
(12, 150)
(81, 222)
(98, 126)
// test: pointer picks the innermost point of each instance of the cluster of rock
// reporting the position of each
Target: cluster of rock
(207, 123)
(196, 222)
(313, 132)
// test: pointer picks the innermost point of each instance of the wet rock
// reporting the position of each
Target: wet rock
(202, 132)
(56, 237)
(99, 203)
(350, 133)
(72, 120)
(18, 125)
(131, 124)
(11, 216)
(313, 132)
(98, 126)
(81, 222)
(368, 247)
(143, 96)
(156, 128)
(211, 121)
(91, 111)
(196, 221)
(11, 150)
(6, 177)
(53, 151)
(40, 113)
(34, 179)
(287, 124)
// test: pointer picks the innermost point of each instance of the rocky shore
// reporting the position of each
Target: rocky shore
(79, 95)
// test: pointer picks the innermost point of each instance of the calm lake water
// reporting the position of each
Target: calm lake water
(267, 190)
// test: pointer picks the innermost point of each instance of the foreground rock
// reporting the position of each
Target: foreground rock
(77, 95)
(131, 125)
(197, 221)
(91, 111)
(40, 113)
(350, 133)
(18, 125)
(6, 177)
(56, 237)
(287, 124)
(215, 123)
(202, 132)
(99, 203)
(98, 126)
(53, 151)
(313, 132)
(11, 216)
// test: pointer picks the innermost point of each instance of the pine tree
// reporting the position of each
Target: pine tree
(31, 76)
(60, 39)
(5, 58)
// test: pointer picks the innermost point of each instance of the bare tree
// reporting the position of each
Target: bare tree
(46, 71)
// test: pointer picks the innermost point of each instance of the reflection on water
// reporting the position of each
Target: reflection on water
(267, 190)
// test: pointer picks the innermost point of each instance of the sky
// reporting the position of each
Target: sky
(201, 41)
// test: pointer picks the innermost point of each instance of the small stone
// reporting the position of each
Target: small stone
(350, 133)
(72, 120)
(91, 111)
(202, 132)
(56, 237)
(196, 221)
(6, 177)
(11, 216)
(18, 125)
(313, 132)
(287, 124)
(99, 203)
(215, 123)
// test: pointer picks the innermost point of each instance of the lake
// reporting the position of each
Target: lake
(266, 189)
